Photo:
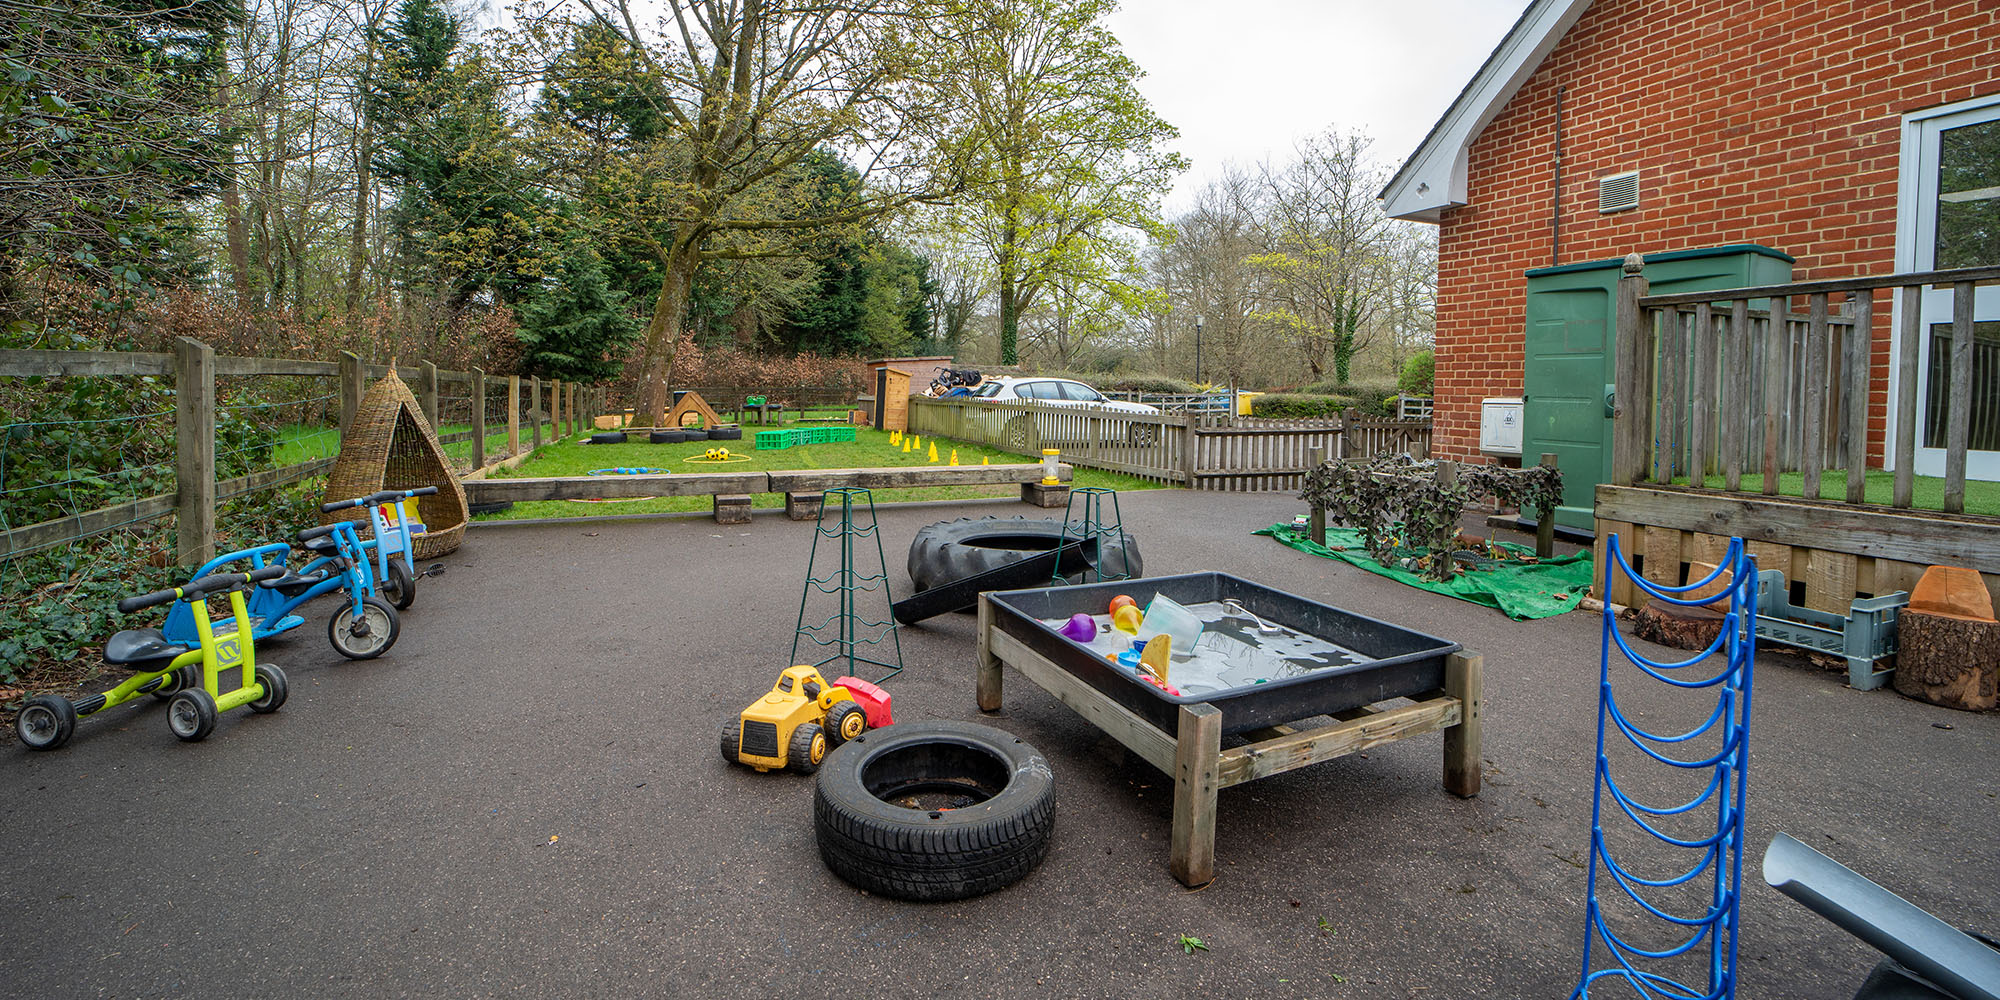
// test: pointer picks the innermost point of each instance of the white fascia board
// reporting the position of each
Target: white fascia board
(1434, 177)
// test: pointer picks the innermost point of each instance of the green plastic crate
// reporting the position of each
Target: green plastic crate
(773, 440)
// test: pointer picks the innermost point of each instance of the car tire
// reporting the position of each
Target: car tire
(476, 509)
(667, 437)
(936, 851)
(953, 550)
(725, 434)
(608, 437)
(694, 434)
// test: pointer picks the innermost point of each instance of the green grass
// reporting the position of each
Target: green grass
(870, 450)
(1927, 492)
(304, 442)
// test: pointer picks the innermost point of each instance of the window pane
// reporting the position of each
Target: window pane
(1968, 211)
(1985, 400)
(1081, 393)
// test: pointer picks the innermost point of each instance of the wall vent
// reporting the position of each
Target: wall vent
(1618, 192)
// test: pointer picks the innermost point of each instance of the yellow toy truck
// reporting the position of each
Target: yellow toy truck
(794, 724)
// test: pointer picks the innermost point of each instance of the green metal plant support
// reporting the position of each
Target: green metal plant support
(1094, 526)
(847, 627)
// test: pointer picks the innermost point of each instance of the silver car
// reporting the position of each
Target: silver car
(1023, 434)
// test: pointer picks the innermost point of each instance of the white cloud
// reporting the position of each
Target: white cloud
(1246, 79)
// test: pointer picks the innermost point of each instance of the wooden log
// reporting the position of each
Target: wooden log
(1677, 627)
(1196, 755)
(1948, 660)
(1464, 680)
(611, 487)
(820, 480)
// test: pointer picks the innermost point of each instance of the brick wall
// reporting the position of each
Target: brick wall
(1750, 121)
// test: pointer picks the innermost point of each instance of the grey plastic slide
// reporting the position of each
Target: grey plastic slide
(1960, 964)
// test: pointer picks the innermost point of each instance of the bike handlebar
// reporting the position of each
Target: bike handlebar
(381, 497)
(199, 588)
(320, 532)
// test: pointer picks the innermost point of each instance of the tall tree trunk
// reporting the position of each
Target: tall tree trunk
(663, 332)
(364, 154)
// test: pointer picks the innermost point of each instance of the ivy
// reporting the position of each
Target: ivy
(1406, 516)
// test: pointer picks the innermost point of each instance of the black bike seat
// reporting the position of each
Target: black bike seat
(294, 584)
(140, 645)
(323, 545)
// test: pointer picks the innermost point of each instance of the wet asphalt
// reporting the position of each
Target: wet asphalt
(523, 798)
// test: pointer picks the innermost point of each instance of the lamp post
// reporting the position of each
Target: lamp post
(1197, 349)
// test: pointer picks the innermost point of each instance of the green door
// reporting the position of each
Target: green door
(1568, 371)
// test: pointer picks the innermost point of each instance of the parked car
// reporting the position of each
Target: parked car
(1028, 432)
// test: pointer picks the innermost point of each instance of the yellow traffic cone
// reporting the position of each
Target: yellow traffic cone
(933, 451)
(984, 460)
(920, 441)
(906, 446)
(954, 456)
(895, 438)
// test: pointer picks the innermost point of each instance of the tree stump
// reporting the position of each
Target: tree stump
(1677, 627)
(1948, 660)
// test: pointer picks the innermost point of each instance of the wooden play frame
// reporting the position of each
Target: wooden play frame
(1194, 756)
(691, 402)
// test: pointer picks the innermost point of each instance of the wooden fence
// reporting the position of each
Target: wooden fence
(193, 369)
(1203, 452)
(1713, 386)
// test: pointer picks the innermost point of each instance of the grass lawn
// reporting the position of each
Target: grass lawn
(1927, 491)
(303, 443)
(871, 449)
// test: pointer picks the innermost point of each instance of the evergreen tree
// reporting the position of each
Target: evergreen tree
(576, 328)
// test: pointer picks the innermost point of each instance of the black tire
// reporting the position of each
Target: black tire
(45, 722)
(474, 510)
(667, 437)
(192, 715)
(807, 750)
(845, 721)
(725, 434)
(954, 550)
(275, 689)
(732, 736)
(400, 586)
(608, 437)
(382, 627)
(693, 433)
(175, 682)
(1021, 436)
(935, 852)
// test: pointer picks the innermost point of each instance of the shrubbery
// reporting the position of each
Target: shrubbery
(1418, 374)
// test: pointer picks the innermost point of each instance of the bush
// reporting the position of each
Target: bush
(1418, 374)
(1299, 405)
(1151, 383)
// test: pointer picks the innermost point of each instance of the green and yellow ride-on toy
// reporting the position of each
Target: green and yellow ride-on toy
(794, 724)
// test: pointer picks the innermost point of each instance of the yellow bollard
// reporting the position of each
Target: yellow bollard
(985, 460)
(933, 451)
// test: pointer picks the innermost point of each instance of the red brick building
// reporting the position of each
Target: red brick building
(1812, 127)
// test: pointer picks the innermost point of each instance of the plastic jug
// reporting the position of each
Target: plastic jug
(1166, 616)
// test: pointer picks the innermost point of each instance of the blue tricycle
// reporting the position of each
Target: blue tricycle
(365, 625)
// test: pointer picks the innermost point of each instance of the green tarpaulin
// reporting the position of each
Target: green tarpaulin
(1520, 591)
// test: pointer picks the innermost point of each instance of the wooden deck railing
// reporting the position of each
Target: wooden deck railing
(1720, 383)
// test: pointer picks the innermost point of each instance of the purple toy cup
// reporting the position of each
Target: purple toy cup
(1081, 628)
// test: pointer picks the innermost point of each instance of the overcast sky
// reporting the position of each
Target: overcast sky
(1245, 79)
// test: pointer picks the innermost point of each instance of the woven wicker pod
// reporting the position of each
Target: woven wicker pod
(392, 447)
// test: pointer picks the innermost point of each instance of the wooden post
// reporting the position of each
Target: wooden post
(1632, 402)
(353, 382)
(535, 411)
(1702, 407)
(427, 392)
(1190, 447)
(1545, 520)
(1348, 418)
(1776, 336)
(1736, 395)
(986, 668)
(555, 408)
(1462, 680)
(194, 457)
(576, 422)
(1906, 396)
(513, 415)
(1813, 454)
(1316, 520)
(1196, 753)
(478, 418)
(1958, 419)
(1860, 362)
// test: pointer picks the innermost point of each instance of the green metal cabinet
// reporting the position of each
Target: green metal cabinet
(1569, 370)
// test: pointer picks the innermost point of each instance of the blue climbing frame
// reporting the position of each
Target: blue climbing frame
(1721, 860)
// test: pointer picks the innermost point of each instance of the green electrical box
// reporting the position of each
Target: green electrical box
(1571, 354)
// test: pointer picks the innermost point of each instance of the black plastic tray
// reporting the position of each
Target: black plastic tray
(1401, 662)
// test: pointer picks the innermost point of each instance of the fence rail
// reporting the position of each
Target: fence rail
(1724, 383)
(193, 369)
(1185, 448)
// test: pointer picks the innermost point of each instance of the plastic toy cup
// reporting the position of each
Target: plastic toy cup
(1122, 601)
(1166, 616)
(1126, 619)
(1080, 627)
(1049, 467)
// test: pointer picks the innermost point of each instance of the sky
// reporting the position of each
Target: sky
(1246, 79)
